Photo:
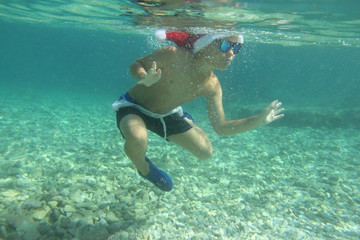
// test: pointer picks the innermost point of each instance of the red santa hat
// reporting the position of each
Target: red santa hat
(195, 42)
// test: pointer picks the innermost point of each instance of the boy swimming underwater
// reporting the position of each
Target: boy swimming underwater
(170, 77)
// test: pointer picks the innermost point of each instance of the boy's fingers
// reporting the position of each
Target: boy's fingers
(279, 116)
(279, 111)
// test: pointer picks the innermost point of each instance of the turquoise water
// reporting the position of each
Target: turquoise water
(63, 171)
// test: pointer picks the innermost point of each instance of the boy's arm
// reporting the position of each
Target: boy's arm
(147, 78)
(223, 127)
(137, 70)
(145, 69)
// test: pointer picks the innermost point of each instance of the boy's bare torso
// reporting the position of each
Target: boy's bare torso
(181, 81)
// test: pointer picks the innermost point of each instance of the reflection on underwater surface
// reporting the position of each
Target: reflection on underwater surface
(63, 174)
(291, 23)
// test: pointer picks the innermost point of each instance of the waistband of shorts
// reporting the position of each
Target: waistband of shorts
(128, 98)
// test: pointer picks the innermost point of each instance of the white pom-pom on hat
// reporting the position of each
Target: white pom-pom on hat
(160, 35)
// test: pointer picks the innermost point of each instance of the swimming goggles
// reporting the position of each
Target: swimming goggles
(226, 45)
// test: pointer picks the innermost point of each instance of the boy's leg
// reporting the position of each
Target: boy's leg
(195, 141)
(135, 133)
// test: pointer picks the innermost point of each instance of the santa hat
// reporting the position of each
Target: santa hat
(195, 42)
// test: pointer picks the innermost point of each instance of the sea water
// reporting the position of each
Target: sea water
(63, 170)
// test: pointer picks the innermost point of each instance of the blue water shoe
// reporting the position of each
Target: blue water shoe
(160, 178)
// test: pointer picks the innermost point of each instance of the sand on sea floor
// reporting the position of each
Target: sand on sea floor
(63, 173)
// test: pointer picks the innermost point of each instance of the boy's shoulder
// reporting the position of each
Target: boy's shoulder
(169, 48)
(174, 50)
(172, 53)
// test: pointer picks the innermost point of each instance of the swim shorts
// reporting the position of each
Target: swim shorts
(174, 123)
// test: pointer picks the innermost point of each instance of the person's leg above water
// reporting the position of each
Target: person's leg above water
(134, 131)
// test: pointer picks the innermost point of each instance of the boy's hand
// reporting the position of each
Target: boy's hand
(271, 113)
(153, 75)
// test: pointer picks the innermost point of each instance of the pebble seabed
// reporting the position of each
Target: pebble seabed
(64, 175)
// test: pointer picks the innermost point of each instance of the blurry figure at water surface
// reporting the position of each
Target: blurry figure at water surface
(184, 13)
(170, 77)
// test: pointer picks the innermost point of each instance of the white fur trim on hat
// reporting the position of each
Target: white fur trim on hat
(209, 38)
(160, 35)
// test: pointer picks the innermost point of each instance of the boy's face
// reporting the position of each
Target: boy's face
(219, 58)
